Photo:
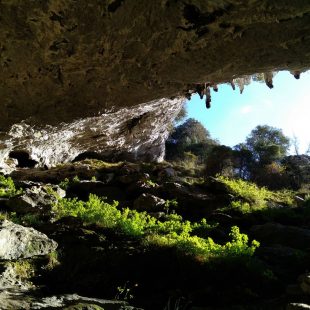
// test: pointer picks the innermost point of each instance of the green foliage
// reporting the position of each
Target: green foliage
(249, 197)
(100, 164)
(124, 292)
(64, 184)
(267, 144)
(220, 160)
(3, 216)
(23, 269)
(25, 220)
(191, 136)
(30, 220)
(135, 223)
(243, 207)
(206, 249)
(248, 191)
(151, 183)
(76, 179)
(53, 261)
(97, 211)
(7, 187)
(173, 231)
(170, 204)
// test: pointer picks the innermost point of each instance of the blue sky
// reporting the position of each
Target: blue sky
(232, 116)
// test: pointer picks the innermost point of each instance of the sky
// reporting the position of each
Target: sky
(233, 115)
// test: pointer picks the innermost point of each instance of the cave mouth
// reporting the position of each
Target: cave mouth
(88, 155)
(23, 159)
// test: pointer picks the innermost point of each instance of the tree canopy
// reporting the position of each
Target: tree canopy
(267, 144)
(191, 136)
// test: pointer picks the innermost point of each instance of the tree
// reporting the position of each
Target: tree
(220, 161)
(243, 160)
(295, 144)
(191, 136)
(267, 144)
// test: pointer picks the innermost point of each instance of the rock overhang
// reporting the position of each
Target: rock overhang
(65, 61)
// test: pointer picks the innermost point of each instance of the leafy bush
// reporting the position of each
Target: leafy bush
(249, 197)
(206, 249)
(7, 187)
(97, 211)
(243, 207)
(64, 184)
(172, 232)
(246, 190)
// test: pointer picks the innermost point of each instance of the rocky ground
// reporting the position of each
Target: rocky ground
(55, 250)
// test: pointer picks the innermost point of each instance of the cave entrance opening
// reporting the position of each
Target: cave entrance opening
(23, 159)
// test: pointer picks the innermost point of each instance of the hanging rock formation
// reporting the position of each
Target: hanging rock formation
(72, 62)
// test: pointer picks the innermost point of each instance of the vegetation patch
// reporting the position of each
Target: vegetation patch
(248, 197)
(7, 187)
(172, 232)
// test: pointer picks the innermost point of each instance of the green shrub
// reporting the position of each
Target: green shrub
(205, 249)
(53, 261)
(170, 204)
(243, 207)
(23, 269)
(7, 187)
(172, 232)
(97, 211)
(249, 197)
(64, 184)
(246, 190)
(135, 223)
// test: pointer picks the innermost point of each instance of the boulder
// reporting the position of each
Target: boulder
(76, 302)
(136, 189)
(297, 306)
(16, 275)
(304, 282)
(82, 190)
(134, 177)
(16, 299)
(35, 199)
(274, 233)
(149, 203)
(17, 242)
(167, 173)
(191, 200)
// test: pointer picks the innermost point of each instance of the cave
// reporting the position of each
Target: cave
(107, 80)
(87, 155)
(80, 76)
(23, 159)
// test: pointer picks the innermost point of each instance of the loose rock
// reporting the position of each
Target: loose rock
(17, 242)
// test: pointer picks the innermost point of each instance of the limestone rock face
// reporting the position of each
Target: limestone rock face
(63, 60)
(136, 133)
(17, 242)
(94, 69)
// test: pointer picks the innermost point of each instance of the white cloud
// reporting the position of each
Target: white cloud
(246, 109)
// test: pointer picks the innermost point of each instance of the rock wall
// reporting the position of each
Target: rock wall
(130, 133)
(63, 60)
